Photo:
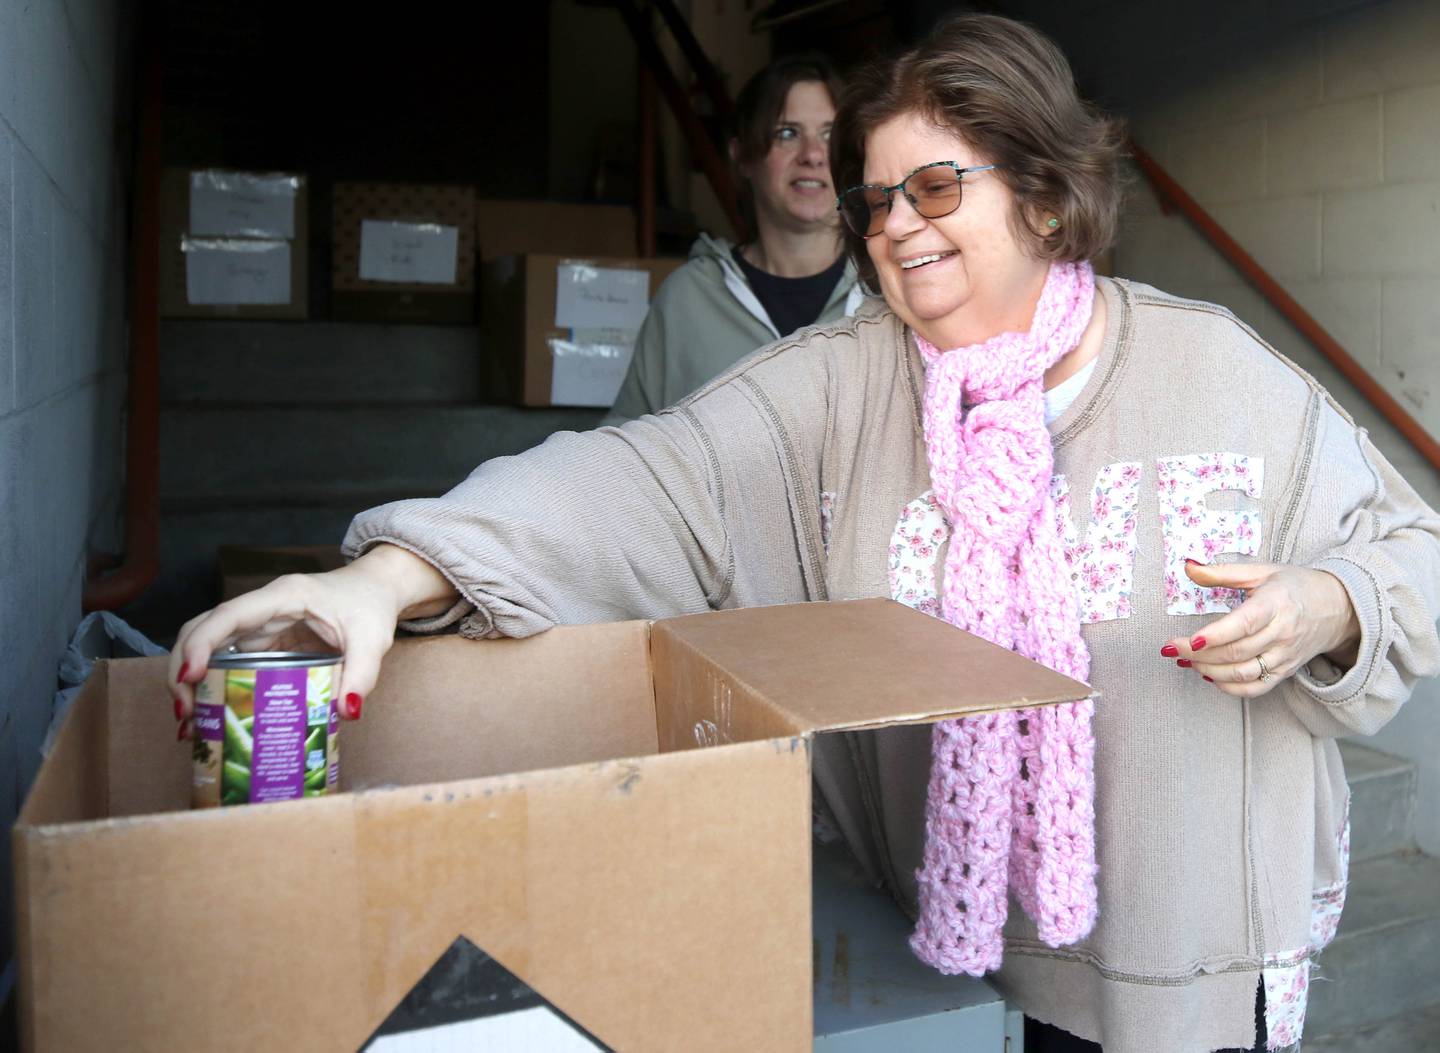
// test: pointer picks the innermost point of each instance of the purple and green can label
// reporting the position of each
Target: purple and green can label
(266, 729)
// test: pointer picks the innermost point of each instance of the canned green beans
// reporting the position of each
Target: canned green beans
(266, 728)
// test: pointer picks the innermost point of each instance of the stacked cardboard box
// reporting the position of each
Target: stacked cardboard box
(233, 244)
(506, 227)
(562, 297)
(403, 253)
(562, 328)
(617, 814)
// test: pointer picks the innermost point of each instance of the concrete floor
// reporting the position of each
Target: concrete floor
(1411, 1033)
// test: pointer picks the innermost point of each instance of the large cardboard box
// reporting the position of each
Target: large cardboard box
(234, 244)
(560, 330)
(507, 227)
(244, 568)
(618, 814)
(403, 253)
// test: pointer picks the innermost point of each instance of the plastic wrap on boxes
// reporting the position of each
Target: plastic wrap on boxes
(591, 297)
(412, 206)
(589, 366)
(243, 204)
(422, 253)
(602, 309)
(236, 270)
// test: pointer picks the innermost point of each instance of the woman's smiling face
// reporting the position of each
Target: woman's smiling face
(962, 278)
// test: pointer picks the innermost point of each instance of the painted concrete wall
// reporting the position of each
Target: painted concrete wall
(61, 352)
(1311, 132)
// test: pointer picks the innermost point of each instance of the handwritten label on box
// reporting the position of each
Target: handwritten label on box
(419, 253)
(588, 297)
(242, 204)
(588, 368)
(236, 271)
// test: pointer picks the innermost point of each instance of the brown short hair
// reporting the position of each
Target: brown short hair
(1007, 90)
(758, 108)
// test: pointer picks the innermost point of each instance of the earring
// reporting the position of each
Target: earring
(1052, 223)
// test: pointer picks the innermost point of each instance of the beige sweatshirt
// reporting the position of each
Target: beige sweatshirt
(801, 475)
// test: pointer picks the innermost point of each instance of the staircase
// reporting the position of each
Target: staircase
(1376, 988)
(278, 433)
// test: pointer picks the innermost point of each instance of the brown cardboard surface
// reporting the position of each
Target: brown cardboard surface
(243, 568)
(148, 770)
(518, 318)
(574, 695)
(175, 222)
(510, 227)
(826, 667)
(74, 782)
(602, 885)
(662, 900)
(628, 896)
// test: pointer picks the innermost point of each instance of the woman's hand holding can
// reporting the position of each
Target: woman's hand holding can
(352, 611)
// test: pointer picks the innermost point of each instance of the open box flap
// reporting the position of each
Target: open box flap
(730, 676)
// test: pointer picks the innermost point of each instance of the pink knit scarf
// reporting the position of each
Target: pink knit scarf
(1012, 795)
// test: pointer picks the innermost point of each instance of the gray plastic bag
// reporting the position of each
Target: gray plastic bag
(99, 635)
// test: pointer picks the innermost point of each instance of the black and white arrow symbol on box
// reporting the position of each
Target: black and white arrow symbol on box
(469, 1001)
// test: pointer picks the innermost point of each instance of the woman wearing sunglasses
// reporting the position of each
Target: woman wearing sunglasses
(1129, 487)
(730, 299)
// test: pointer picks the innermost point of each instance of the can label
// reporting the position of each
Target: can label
(266, 734)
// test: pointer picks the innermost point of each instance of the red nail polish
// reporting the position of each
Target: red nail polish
(1183, 663)
(183, 731)
(1194, 562)
(180, 676)
(353, 702)
(179, 710)
(1170, 651)
(1197, 643)
(1208, 679)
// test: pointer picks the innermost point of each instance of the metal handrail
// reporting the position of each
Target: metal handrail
(1172, 192)
(707, 153)
(704, 69)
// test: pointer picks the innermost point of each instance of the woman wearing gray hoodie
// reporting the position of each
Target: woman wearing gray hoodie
(729, 299)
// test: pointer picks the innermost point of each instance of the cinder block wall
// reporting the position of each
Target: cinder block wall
(1310, 130)
(61, 353)
(1322, 158)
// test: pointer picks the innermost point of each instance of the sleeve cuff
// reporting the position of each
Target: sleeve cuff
(440, 622)
(473, 622)
(1323, 679)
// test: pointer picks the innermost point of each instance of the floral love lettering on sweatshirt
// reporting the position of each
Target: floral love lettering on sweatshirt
(1191, 530)
(1102, 560)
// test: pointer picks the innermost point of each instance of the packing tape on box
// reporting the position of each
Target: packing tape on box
(426, 830)
(588, 365)
(591, 297)
(418, 253)
(236, 270)
(243, 204)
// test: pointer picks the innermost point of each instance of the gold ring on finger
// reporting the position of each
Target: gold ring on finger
(1265, 675)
